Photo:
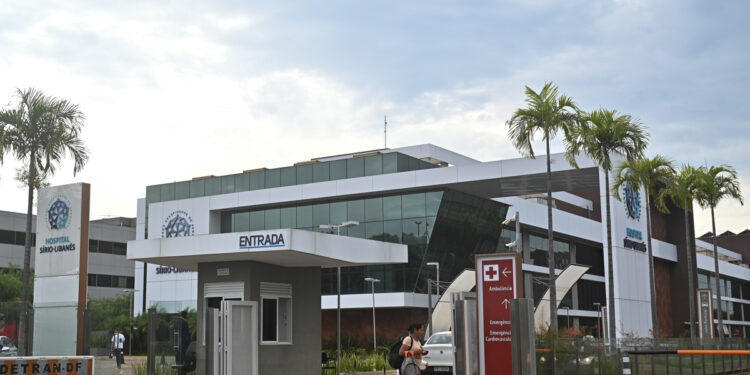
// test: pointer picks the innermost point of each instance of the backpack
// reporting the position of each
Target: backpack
(394, 359)
(410, 365)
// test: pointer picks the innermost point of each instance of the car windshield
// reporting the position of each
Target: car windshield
(439, 338)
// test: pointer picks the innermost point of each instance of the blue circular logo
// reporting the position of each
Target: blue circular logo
(177, 224)
(632, 202)
(57, 214)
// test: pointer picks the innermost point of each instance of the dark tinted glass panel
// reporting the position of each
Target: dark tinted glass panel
(413, 205)
(590, 256)
(197, 188)
(392, 231)
(119, 248)
(373, 165)
(105, 247)
(321, 215)
(227, 184)
(94, 246)
(131, 282)
(338, 169)
(7, 236)
(241, 222)
(242, 182)
(226, 222)
(103, 280)
(289, 217)
(269, 319)
(413, 231)
(321, 172)
(590, 292)
(413, 164)
(358, 231)
(288, 176)
(182, 190)
(356, 210)
(21, 238)
(374, 230)
(432, 201)
(273, 218)
(390, 164)
(402, 163)
(213, 186)
(92, 279)
(257, 220)
(392, 207)
(167, 192)
(273, 178)
(304, 216)
(153, 194)
(355, 167)
(338, 212)
(257, 180)
(539, 254)
(374, 209)
(304, 174)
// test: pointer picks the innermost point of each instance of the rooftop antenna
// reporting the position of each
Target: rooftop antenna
(385, 132)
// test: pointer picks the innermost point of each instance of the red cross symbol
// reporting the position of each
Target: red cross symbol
(491, 272)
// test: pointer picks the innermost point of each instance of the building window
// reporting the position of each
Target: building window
(276, 313)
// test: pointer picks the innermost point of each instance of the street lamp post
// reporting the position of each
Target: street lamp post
(372, 282)
(338, 227)
(599, 317)
(429, 292)
(130, 329)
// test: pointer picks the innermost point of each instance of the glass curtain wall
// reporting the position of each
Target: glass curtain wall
(444, 226)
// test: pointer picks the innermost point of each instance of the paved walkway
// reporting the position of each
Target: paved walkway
(106, 366)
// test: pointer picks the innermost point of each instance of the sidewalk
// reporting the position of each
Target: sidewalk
(106, 366)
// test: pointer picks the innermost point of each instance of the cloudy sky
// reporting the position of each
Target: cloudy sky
(178, 89)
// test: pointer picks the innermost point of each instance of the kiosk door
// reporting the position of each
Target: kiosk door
(238, 326)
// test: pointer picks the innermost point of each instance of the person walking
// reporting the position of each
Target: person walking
(118, 343)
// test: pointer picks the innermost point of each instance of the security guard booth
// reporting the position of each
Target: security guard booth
(259, 293)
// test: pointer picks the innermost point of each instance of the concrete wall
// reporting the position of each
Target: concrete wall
(303, 355)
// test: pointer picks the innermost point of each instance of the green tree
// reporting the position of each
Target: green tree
(602, 134)
(39, 131)
(651, 175)
(682, 191)
(10, 287)
(547, 113)
(715, 184)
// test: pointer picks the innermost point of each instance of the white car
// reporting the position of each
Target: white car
(7, 347)
(439, 358)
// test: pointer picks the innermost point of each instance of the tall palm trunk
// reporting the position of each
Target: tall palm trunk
(652, 281)
(610, 264)
(551, 256)
(691, 285)
(716, 276)
(24, 321)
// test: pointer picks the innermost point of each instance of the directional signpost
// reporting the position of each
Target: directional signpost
(498, 282)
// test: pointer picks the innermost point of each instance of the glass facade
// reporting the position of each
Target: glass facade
(304, 173)
(444, 226)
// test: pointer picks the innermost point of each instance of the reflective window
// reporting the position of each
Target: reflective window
(182, 190)
(432, 200)
(355, 167)
(338, 169)
(197, 188)
(374, 230)
(242, 182)
(392, 207)
(392, 231)
(167, 192)
(227, 184)
(321, 215)
(338, 212)
(257, 220)
(304, 174)
(288, 176)
(356, 210)
(590, 256)
(374, 209)
(288, 217)
(402, 163)
(539, 254)
(273, 178)
(321, 172)
(304, 216)
(213, 186)
(153, 194)
(373, 165)
(241, 222)
(257, 180)
(413, 205)
(389, 163)
(273, 218)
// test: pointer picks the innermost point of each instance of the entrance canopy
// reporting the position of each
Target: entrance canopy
(282, 247)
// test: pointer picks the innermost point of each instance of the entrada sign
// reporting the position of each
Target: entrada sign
(498, 282)
(262, 240)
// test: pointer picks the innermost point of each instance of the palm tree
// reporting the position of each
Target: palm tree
(648, 173)
(682, 190)
(546, 113)
(717, 183)
(39, 131)
(601, 134)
